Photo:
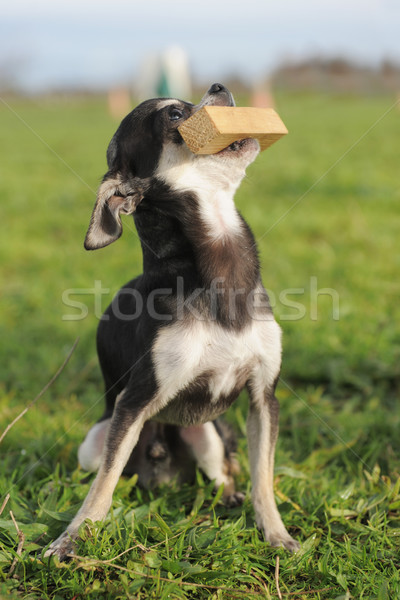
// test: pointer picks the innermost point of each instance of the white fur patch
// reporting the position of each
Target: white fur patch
(185, 350)
(208, 450)
(219, 215)
(90, 451)
(213, 178)
(166, 102)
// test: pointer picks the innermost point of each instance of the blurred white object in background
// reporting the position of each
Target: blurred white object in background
(164, 75)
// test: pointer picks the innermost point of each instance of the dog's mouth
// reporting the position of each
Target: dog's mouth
(239, 146)
(219, 95)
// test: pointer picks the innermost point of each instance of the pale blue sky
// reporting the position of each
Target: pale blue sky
(102, 43)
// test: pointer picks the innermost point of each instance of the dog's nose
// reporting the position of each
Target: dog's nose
(217, 95)
(216, 88)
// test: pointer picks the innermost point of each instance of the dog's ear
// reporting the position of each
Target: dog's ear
(113, 198)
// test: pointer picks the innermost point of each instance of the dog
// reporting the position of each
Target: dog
(181, 341)
(161, 456)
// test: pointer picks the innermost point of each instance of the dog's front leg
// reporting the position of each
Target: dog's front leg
(125, 428)
(262, 433)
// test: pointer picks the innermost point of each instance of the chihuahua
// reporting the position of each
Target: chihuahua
(181, 341)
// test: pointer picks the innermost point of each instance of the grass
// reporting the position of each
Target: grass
(323, 204)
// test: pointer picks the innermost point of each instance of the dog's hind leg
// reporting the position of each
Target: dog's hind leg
(123, 434)
(262, 434)
(209, 453)
(90, 451)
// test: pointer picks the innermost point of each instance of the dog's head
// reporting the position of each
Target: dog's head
(148, 146)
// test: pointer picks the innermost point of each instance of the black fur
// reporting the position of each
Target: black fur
(199, 266)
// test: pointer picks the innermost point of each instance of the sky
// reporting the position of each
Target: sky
(48, 44)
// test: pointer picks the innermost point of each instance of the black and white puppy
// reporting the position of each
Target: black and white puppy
(181, 341)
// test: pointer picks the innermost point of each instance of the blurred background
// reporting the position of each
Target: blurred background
(323, 202)
(144, 48)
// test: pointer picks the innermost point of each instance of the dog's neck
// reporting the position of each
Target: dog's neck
(209, 245)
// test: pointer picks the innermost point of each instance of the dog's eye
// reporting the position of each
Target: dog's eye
(175, 114)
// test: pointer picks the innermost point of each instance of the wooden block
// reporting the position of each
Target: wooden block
(213, 128)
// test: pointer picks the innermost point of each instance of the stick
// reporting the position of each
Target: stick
(86, 562)
(278, 589)
(21, 537)
(6, 499)
(93, 562)
(213, 128)
(46, 387)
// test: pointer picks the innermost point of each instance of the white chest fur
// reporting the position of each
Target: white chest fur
(213, 179)
(184, 351)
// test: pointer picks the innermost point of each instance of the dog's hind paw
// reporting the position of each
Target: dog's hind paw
(235, 499)
(62, 547)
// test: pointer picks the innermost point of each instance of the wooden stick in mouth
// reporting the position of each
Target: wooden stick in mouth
(213, 128)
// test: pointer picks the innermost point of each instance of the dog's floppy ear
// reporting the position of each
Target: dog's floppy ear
(113, 198)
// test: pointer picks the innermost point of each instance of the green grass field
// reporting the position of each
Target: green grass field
(324, 205)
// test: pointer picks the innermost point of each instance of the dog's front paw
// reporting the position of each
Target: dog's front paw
(282, 539)
(62, 547)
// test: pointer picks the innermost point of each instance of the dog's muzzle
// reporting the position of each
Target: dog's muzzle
(217, 95)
